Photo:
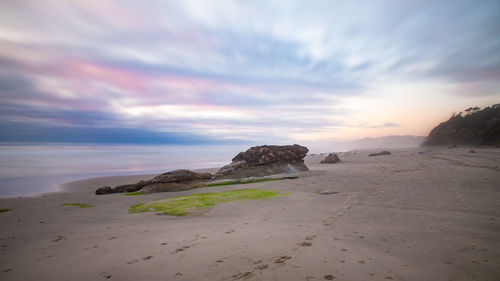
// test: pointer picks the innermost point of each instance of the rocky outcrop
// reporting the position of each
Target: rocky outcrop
(265, 160)
(331, 158)
(171, 181)
(380, 153)
(477, 127)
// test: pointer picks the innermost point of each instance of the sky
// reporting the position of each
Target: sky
(195, 72)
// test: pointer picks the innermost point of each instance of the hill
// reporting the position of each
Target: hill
(477, 127)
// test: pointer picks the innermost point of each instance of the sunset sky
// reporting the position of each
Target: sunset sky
(193, 72)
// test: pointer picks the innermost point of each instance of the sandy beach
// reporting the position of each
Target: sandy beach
(418, 214)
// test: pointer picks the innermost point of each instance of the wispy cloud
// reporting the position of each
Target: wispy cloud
(240, 70)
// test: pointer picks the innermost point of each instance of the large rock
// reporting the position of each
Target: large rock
(171, 181)
(331, 158)
(265, 160)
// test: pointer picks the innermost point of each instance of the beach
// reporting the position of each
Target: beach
(429, 213)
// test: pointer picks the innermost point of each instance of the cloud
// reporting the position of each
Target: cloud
(232, 69)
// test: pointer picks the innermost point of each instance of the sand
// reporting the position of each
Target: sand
(406, 216)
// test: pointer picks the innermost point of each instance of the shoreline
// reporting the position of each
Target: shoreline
(32, 170)
(76, 185)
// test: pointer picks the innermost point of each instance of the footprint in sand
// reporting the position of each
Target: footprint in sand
(58, 238)
(133, 261)
(244, 275)
(282, 259)
(305, 244)
(105, 275)
(329, 277)
(229, 231)
(262, 267)
(112, 238)
(183, 248)
(147, 258)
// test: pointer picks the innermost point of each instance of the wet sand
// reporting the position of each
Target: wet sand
(433, 215)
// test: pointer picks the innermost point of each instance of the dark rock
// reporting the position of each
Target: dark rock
(477, 127)
(181, 176)
(171, 181)
(103, 190)
(267, 154)
(265, 160)
(327, 192)
(331, 159)
(380, 153)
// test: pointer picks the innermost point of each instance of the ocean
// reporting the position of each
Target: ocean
(29, 170)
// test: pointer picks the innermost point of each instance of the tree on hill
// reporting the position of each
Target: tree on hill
(471, 110)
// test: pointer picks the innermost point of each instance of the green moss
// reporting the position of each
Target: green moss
(3, 210)
(134, 193)
(81, 205)
(180, 204)
(248, 180)
(244, 181)
(229, 182)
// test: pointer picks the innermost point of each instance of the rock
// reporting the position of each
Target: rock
(331, 159)
(103, 190)
(265, 160)
(380, 153)
(267, 154)
(171, 181)
(181, 176)
(121, 188)
(327, 192)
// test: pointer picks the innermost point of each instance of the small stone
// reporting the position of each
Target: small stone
(380, 153)
(332, 158)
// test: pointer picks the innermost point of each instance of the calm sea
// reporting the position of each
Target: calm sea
(29, 170)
